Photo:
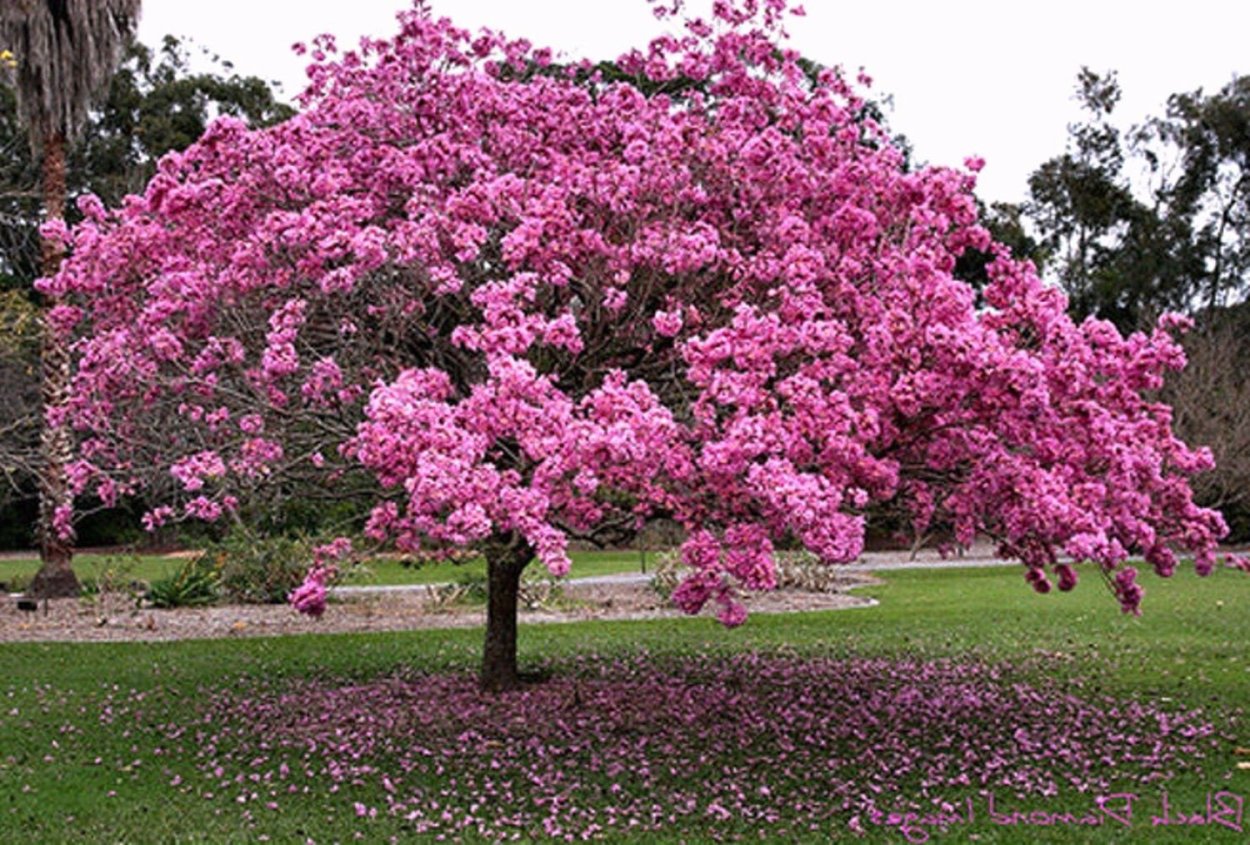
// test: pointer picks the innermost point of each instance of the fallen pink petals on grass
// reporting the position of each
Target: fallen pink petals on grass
(753, 742)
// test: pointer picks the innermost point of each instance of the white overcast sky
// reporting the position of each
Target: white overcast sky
(993, 78)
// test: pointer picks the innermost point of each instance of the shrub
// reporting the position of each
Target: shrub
(195, 584)
(258, 569)
(17, 583)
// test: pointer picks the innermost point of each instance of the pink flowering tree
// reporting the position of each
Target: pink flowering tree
(537, 304)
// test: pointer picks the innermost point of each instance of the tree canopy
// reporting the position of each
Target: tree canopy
(1157, 218)
(538, 307)
(154, 103)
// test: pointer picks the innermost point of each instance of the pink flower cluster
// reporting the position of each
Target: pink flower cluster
(547, 305)
(310, 596)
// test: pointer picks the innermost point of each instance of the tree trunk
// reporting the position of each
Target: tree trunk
(56, 576)
(504, 563)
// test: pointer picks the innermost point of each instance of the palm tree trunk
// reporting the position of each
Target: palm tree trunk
(56, 576)
(505, 561)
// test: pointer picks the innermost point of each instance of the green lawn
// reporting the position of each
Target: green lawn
(378, 571)
(85, 754)
(584, 564)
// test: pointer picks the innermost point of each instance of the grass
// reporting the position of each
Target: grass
(585, 564)
(84, 756)
(379, 571)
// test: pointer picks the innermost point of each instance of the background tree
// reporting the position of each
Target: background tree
(66, 50)
(155, 103)
(19, 385)
(1110, 252)
(1207, 185)
(551, 308)
(1211, 401)
(1157, 219)
(1160, 221)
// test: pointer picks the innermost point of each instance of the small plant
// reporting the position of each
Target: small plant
(803, 571)
(113, 575)
(195, 584)
(17, 583)
(469, 589)
(669, 570)
(538, 591)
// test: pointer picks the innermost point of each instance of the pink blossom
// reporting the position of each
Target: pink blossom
(157, 517)
(667, 323)
(435, 754)
(252, 424)
(310, 596)
(63, 522)
(203, 508)
(537, 306)
(194, 469)
(732, 614)
(1128, 590)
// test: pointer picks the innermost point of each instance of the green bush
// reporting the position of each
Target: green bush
(1238, 519)
(195, 584)
(17, 583)
(298, 516)
(258, 569)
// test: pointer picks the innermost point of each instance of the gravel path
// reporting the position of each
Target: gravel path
(405, 607)
(116, 618)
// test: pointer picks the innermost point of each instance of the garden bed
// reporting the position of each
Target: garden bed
(114, 617)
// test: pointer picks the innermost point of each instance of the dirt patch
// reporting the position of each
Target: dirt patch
(115, 617)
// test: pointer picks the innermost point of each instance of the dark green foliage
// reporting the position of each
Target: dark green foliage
(1007, 227)
(257, 569)
(1106, 248)
(1125, 253)
(105, 527)
(295, 514)
(156, 104)
(1211, 193)
(196, 583)
(19, 200)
